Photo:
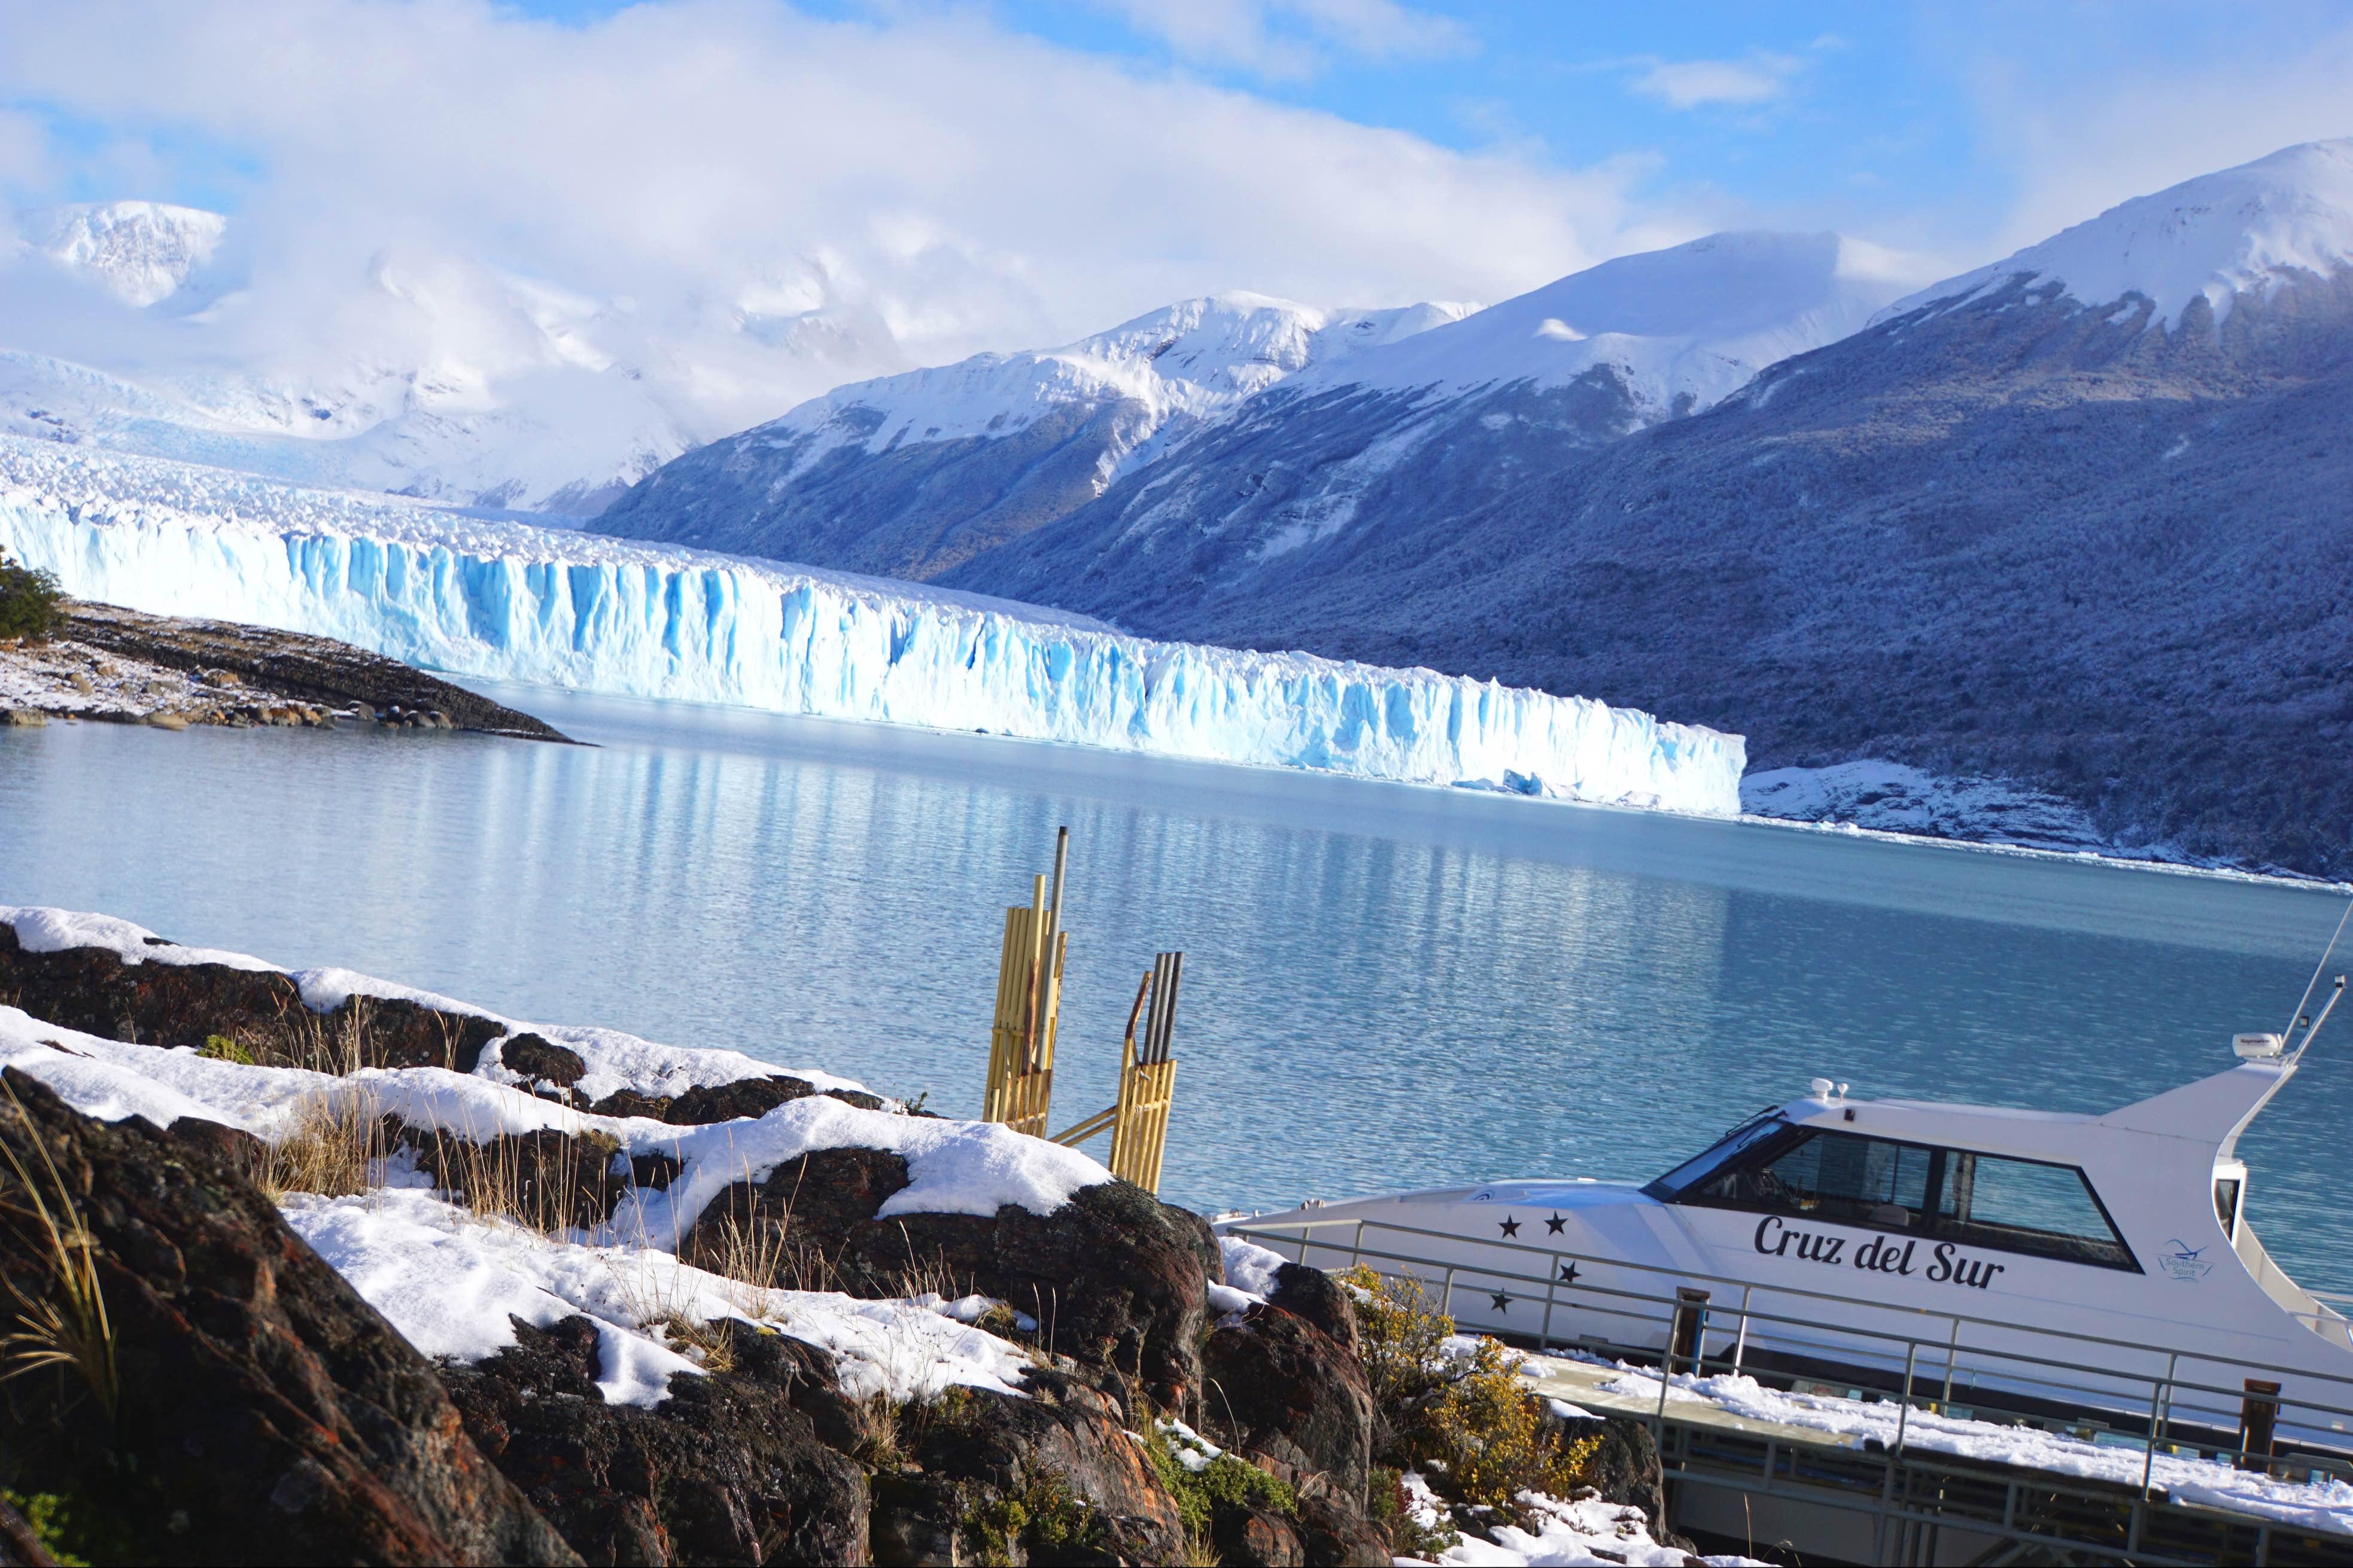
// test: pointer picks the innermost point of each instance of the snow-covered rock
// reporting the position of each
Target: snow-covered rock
(486, 597)
(2249, 230)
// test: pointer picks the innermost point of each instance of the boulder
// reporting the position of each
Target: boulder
(744, 1099)
(540, 1059)
(91, 989)
(1282, 1393)
(1052, 1477)
(1115, 1278)
(723, 1470)
(1626, 1470)
(264, 1413)
(1316, 1296)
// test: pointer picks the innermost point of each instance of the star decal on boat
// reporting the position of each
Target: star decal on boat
(1553, 1224)
(1568, 1273)
(1503, 1302)
(1510, 1226)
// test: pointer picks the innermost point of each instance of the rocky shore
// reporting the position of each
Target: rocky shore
(120, 666)
(305, 1266)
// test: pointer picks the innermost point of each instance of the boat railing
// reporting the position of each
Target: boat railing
(2180, 1407)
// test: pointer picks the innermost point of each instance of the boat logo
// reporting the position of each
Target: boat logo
(2185, 1262)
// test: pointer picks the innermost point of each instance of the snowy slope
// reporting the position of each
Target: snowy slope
(909, 475)
(1189, 363)
(1684, 327)
(1258, 425)
(1411, 433)
(133, 326)
(485, 597)
(2250, 230)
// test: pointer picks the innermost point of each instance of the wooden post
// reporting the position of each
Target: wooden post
(1147, 1078)
(1690, 1316)
(1029, 1008)
(2258, 1413)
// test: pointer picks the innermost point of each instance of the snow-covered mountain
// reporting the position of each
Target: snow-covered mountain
(1256, 426)
(2248, 231)
(1438, 423)
(913, 473)
(135, 326)
(142, 252)
(2075, 524)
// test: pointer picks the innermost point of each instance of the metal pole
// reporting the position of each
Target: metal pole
(2156, 1405)
(1903, 1417)
(1952, 1353)
(1061, 865)
(1740, 1345)
(1446, 1301)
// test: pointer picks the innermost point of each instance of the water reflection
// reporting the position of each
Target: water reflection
(1385, 986)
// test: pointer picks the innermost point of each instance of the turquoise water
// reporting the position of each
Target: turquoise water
(1385, 986)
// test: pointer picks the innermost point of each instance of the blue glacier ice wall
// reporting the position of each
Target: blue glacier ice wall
(473, 595)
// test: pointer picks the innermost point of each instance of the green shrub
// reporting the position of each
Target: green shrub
(221, 1048)
(1224, 1481)
(31, 604)
(1386, 1504)
(74, 1530)
(1046, 1516)
(1482, 1433)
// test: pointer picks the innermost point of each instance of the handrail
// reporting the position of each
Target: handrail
(2142, 1347)
(2016, 1359)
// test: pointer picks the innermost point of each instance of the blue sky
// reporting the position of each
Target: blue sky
(939, 177)
(1891, 119)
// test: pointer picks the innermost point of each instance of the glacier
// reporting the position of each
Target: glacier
(474, 595)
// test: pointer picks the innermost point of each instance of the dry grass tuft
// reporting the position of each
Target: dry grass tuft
(66, 1325)
(330, 1149)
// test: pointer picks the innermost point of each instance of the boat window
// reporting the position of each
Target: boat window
(2226, 1205)
(1833, 1175)
(2024, 1205)
(1756, 1129)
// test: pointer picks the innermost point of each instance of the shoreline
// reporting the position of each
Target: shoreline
(112, 665)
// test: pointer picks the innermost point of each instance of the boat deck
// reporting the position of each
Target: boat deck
(1971, 1491)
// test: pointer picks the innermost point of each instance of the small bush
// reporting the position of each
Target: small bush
(1483, 1432)
(1389, 1509)
(1225, 1481)
(1046, 1516)
(221, 1048)
(75, 1532)
(1491, 1432)
(1404, 1340)
(32, 605)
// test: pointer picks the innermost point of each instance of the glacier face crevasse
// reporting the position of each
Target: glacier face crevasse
(492, 598)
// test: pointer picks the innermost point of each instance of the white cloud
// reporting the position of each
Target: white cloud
(1290, 39)
(1761, 78)
(2082, 130)
(928, 185)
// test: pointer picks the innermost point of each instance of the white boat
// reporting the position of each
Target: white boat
(2030, 1262)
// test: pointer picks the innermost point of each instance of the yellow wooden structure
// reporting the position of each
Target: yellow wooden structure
(1020, 1088)
(1029, 1007)
(1138, 1122)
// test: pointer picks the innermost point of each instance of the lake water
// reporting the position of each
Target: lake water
(1384, 985)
